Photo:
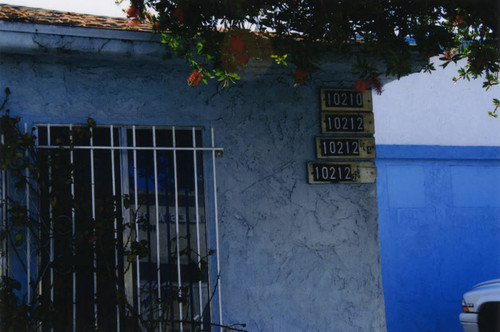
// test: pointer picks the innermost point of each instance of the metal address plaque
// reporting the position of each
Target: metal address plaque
(347, 123)
(342, 148)
(341, 172)
(342, 99)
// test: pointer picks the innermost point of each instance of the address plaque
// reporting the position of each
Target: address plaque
(347, 123)
(348, 100)
(341, 172)
(345, 147)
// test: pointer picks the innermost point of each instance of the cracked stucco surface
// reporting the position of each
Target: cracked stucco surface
(295, 257)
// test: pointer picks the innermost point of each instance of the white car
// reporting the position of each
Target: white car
(481, 308)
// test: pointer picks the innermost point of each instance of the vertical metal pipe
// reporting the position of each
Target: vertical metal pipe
(115, 221)
(128, 278)
(51, 228)
(157, 219)
(39, 258)
(28, 233)
(217, 231)
(177, 237)
(51, 225)
(3, 253)
(73, 226)
(197, 219)
(136, 204)
(94, 247)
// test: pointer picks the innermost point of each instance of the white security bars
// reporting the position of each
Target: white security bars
(126, 228)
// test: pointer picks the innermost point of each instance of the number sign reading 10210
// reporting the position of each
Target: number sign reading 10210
(341, 172)
(345, 148)
(342, 99)
(347, 122)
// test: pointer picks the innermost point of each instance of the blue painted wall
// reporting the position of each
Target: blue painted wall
(294, 257)
(439, 217)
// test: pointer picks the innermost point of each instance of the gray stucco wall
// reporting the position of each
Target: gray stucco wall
(295, 257)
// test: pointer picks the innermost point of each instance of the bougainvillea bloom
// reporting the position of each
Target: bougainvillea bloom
(133, 12)
(458, 21)
(195, 78)
(133, 22)
(448, 55)
(301, 76)
(360, 85)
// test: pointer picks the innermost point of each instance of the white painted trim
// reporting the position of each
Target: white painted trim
(30, 39)
(78, 31)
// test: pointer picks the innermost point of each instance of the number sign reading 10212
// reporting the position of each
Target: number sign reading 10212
(342, 99)
(345, 148)
(341, 172)
(347, 122)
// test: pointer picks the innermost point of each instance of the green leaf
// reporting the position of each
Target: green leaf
(280, 59)
(199, 47)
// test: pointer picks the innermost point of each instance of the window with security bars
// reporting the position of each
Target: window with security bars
(121, 235)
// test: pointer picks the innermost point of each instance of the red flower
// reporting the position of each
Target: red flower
(237, 45)
(195, 78)
(448, 55)
(133, 22)
(133, 12)
(301, 76)
(148, 17)
(360, 85)
(458, 21)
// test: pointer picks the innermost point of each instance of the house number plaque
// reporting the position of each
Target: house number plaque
(342, 99)
(341, 172)
(347, 123)
(345, 147)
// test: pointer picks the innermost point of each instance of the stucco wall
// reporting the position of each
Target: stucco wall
(295, 257)
(439, 215)
(438, 196)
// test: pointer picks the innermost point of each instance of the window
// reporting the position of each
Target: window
(125, 226)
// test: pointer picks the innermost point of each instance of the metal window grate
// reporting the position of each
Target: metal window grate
(135, 212)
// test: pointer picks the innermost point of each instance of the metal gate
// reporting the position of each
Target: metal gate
(121, 228)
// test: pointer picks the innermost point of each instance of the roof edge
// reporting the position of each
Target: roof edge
(78, 31)
(39, 39)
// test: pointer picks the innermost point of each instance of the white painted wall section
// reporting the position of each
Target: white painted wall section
(430, 109)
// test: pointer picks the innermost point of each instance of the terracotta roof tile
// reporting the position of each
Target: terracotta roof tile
(43, 16)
